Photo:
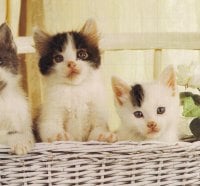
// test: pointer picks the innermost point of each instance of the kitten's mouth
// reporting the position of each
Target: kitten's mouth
(73, 73)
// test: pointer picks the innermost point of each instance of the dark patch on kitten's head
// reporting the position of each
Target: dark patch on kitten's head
(54, 45)
(8, 52)
(137, 95)
(58, 42)
(83, 42)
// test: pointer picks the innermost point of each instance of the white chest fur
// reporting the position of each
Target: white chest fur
(74, 107)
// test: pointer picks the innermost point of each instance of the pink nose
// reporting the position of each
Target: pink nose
(151, 124)
(71, 64)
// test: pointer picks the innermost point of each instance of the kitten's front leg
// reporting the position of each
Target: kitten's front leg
(100, 130)
(53, 130)
(51, 125)
(20, 142)
(54, 133)
(19, 132)
(19, 135)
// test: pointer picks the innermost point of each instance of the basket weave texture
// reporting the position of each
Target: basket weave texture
(94, 163)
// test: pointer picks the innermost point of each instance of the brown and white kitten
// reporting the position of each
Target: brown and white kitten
(74, 106)
(15, 118)
(148, 111)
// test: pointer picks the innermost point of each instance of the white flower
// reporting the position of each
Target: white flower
(189, 75)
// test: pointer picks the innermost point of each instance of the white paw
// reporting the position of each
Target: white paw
(60, 136)
(21, 148)
(107, 137)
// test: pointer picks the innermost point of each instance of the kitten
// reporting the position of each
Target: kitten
(15, 118)
(148, 111)
(74, 106)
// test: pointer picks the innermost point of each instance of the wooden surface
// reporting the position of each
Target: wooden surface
(134, 41)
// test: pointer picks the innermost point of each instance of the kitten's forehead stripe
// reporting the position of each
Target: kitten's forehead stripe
(137, 95)
(70, 49)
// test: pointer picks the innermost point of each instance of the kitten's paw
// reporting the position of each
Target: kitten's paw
(107, 137)
(21, 148)
(62, 136)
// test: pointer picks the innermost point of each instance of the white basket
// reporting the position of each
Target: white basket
(94, 163)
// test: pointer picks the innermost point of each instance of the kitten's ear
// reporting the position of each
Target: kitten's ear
(41, 40)
(121, 90)
(6, 37)
(168, 78)
(90, 30)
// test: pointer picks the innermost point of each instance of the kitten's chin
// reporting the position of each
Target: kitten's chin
(152, 135)
(75, 77)
(74, 80)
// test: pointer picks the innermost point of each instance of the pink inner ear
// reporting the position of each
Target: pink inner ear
(171, 83)
(118, 93)
(120, 89)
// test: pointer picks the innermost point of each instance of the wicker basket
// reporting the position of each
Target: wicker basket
(93, 163)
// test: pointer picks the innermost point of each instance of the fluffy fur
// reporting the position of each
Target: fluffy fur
(74, 106)
(148, 111)
(15, 119)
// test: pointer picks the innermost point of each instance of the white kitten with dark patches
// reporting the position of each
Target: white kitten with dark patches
(15, 118)
(74, 106)
(148, 111)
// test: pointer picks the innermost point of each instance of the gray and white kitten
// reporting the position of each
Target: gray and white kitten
(148, 111)
(15, 118)
(74, 106)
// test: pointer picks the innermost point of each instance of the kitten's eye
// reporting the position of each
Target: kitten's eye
(58, 58)
(160, 110)
(82, 54)
(138, 114)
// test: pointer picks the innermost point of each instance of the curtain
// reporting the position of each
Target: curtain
(10, 13)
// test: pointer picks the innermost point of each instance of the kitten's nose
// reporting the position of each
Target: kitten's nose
(71, 64)
(151, 124)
